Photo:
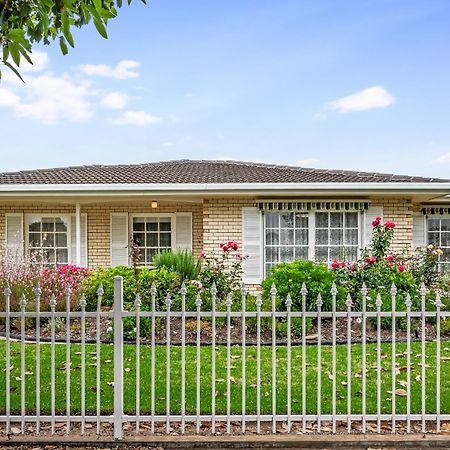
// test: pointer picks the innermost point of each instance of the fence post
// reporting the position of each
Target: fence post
(118, 357)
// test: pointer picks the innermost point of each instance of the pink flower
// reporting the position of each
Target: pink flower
(401, 268)
(335, 264)
(343, 264)
(375, 223)
(371, 260)
(225, 248)
(390, 258)
(389, 225)
(202, 254)
(378, 218)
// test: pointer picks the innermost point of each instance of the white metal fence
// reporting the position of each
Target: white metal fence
(254, 375)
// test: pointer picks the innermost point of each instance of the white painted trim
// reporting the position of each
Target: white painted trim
(155, 214)
(22, 219)
(185, 214)
(110, 235)
(190, 188)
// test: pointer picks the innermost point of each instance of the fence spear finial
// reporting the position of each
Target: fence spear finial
(423, 289)
(229, 300)
(273, 289)
(198, 300)
(348, 301)
(100, 290)
(364, 289)
(23, 301)
(378, 301)
(288, 300)
(137, 301)
(334, 290)
(319, 301)
(393, 289)
(408, 301)
(304, 290)
(153, 289)
(53, 301)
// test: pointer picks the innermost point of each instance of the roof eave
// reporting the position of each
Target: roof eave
(224, 188)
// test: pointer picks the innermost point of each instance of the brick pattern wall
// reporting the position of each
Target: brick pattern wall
(98, 220)
(400, 211)
(215, 221)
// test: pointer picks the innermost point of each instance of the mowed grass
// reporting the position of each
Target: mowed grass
(107, 376)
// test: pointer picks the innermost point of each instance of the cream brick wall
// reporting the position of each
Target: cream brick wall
(215, 221)
(98, 220)
(400, 211)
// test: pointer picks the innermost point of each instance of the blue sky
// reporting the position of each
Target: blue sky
(361, 85)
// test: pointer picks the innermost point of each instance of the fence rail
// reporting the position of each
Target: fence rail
(264, 369)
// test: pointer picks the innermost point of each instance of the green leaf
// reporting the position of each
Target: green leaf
(98, 5)
(10, 66)
(63, 46)
(100, 28)
(15, 54)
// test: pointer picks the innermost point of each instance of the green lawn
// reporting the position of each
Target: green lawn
(266, 374)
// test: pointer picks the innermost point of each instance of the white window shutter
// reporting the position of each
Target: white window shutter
(419, 230)
(119, 239)
(369, 216)
(252, 245)
(183, 231)
(73, 240)
(14, 234)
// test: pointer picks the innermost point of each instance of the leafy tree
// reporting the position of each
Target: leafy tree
(26, 22)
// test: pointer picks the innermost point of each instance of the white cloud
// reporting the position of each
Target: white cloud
(307, 162)
(115, 100)
(40, 62)
(48, 98)
(443, 159)
(139, 118)
(371, 98)
(122, 71)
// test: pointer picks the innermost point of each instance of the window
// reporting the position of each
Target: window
(152, 235)
(286, 237)
(438, 234)
(47, 239)
(322, 236)
(336, 236)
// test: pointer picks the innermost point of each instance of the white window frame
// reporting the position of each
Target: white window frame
(171, 216)
(66, 217)
(311, 232)
(437, 216)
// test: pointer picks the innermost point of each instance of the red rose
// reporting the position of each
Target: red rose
(221, 245)
(378, 218)
(335, 264)
(225, 248)
(343, 264)
(375, 223)
(389, 225)
(401, 268)
(202, 254)
(371, 260)
(390, 258)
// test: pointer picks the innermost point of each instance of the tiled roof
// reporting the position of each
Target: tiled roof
(199, 172)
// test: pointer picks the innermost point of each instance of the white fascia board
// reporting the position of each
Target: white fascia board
(219, 188)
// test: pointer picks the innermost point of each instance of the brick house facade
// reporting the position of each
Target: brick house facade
(89, 215)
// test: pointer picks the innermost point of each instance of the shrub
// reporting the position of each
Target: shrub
(424, 264)
(225, 269)
(289, 278)
(181, 262)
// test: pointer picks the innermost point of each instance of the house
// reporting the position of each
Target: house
(88, 215)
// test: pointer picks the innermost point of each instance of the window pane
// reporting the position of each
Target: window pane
(287, 237)
(60, 224)
(61, 240)
(152, 239)
(48, 224)
(336, 220)
(301, 252)
(301, 221)
(139, 239)
(165, 239)
(272, 237)
(272, 254)
(351, 254)
(445, 239)
(286, 254)
(445, 224)
(149, 254)
(337, 253)
(351, 237)
(351, 220)
(321, 254)
(62, 256)
(287, 220)
(35, 224)
(433, 224)
(433, 238)
(48, 240)
(138, 224)
(271, 220)
(34, 239)
(164, 224)
(269, 268)
(321, 220)
(49, 256)
(301, 237)
(152, 225)
(336, 237)
(322, 237)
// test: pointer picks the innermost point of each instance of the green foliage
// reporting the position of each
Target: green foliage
(180, 261)
(24, 23)
(424, 264)
(289, 278)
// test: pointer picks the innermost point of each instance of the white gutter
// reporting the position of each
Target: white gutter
(222, 188)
